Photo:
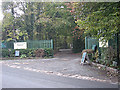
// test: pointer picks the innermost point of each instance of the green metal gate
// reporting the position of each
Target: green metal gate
(89, 42)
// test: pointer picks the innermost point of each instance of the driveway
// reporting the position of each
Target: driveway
(65, 64)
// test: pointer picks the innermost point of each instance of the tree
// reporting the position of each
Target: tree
(99, 19)
(12, 22)
(38, 21)
(56, 23)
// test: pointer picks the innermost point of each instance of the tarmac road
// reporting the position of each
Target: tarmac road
(20, 78)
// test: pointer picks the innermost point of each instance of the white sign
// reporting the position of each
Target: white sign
(103, 43)
(20, 45)
(17, 53)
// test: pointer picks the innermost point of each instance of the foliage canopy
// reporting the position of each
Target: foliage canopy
(98, 19)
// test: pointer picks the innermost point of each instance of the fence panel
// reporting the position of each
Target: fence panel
(89, 42)
(31, 44)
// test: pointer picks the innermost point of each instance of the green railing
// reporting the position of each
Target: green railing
(31, 44)
(89, 42)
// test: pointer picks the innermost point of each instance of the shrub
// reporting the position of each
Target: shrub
(109, 54)
(48, 52)
(5, 53)
(39, 53)
(23, 56)
(31, 53)
(12, 52)
(28, 52)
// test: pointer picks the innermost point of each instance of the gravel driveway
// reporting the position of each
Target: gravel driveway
(64, 63)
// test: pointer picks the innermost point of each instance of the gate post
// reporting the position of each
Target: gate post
(86, 43)
(51, 43)
(52, 47)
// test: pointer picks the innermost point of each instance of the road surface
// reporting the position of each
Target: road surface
(20, 78)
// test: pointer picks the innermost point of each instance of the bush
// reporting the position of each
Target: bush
(12, 52)
(31, 53)
(108, 55)
(39, 53)
(23, 56)
(48, 52)
(28, 52)
(5, 53)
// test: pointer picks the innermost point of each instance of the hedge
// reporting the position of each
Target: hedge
(28, 52)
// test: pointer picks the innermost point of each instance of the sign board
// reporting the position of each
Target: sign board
(103, 43)
(20, 45)
(17, 53)
(84, 56)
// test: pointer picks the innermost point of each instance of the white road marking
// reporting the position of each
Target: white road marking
(61, 74)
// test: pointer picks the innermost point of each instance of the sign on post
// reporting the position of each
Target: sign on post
(20, 45)
(17, 53)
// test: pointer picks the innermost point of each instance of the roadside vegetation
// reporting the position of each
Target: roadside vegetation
(67, 24)
(28, 53)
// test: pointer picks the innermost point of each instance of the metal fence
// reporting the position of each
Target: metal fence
(89, 42)
(30, 44)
